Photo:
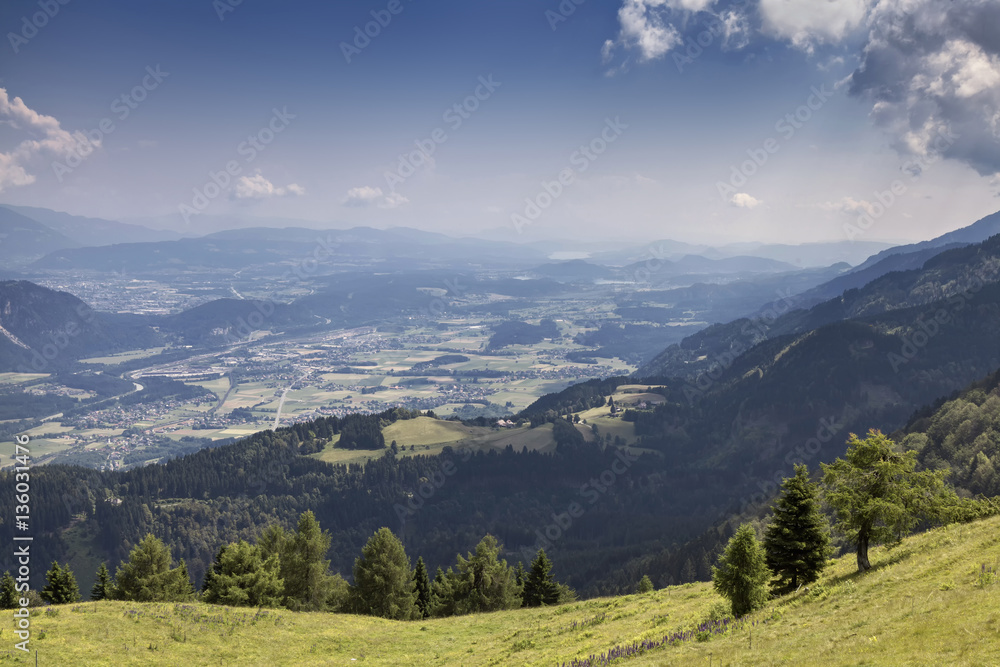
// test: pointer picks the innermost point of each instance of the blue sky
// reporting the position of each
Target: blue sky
(702, 148)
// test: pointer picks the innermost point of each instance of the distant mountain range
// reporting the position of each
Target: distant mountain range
(398, 248)
(944, 275)
(92, 231)
(23, 240)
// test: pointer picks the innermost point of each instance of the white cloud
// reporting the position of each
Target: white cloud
(735, 30)
(932, 73)
(743, 200)
(54, 142)
(653, 28)
(807, 22)
(645, 27)
(849, 206)
(366, 196)
(258, 187)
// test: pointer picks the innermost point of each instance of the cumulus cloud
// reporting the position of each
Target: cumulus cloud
(47, 139)
(258, 187)
(932, 73)
(806, 23)
(930, 69)
(849, 206)
(653, 28)
(743, 200)
(366, 196)
(645, 27)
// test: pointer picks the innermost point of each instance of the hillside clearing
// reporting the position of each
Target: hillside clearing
(925, 602)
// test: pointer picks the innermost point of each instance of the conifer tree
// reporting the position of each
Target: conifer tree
(422, 588)
(797, 542)
(483, 582)
(8, 592)
(519, 575)
(305, 570)
(240, 576)
(102, 589)
(742, 573)
(539, 587)
(60, 585)
(383, 582)
(148, 577)
(443, 594)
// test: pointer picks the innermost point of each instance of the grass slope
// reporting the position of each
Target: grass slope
(925, 602)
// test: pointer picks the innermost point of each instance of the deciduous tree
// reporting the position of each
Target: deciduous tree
(878, 495)
(484, 582)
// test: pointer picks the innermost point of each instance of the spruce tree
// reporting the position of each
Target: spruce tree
(241, 577)
(443, 594)
(422, 586)
(8, 592)
(383, 582)
(742, 573)
(539, 587)
(148, 577)
(519, 575)
(102, 589)
(60, 585)
(797, 542)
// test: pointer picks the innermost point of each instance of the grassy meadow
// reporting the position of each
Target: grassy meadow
(929, 601)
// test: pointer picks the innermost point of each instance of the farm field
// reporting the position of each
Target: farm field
(339, 372)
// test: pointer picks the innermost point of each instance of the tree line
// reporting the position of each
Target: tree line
(877, 496)
(289, 569)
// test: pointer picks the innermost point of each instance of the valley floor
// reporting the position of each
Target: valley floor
(930, 601)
